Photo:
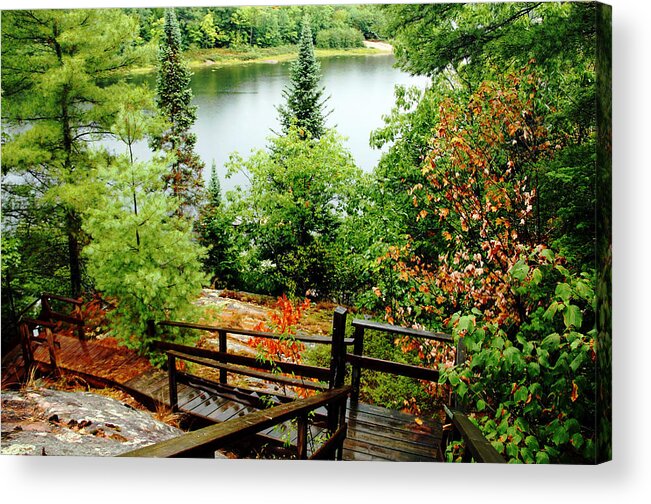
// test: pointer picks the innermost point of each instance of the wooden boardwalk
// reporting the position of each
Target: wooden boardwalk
(374, 433)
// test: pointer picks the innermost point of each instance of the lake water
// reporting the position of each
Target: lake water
(237, 106)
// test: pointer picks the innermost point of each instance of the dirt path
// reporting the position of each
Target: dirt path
(380, 46)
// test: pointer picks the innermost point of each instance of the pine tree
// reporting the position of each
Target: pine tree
(214, 187)
(174, 100)
(56, 97)
(304, 105)
(216, 234)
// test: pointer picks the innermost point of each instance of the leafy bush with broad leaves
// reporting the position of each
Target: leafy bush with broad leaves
(532, 387)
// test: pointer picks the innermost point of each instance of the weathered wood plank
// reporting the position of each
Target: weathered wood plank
(416, 333)
(411, 437)
(397, 368)
(383, 452)
(245, 332)
(294, 382)
(394, 443)
(241, 360)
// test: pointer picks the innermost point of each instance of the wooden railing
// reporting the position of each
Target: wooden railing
(268, 370)
(204, 442)
(39, 331)
(227, 362)
(477, 447)
(359, 362)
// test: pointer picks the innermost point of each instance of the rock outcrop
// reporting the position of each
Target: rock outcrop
(54, 422)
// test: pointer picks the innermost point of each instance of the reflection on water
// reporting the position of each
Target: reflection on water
(237, 106)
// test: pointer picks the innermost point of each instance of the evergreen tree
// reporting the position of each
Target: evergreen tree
(174, 98)
(56, 96)
(141, 254)
(304, 103)
(216, 234)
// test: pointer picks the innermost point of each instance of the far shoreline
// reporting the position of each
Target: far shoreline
(272, 55)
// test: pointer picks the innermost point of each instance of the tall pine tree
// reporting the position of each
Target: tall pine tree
(56, 97)
(304, 103)
(174, 100)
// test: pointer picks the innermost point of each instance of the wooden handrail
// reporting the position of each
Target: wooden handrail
(294, 382)
(396, 368)
(286, 367)
(405, 331)
(359, 361)
(68, 300)
(205, 441)
(476, 444)
(246, 332)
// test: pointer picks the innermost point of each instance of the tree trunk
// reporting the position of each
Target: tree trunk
(74, 253)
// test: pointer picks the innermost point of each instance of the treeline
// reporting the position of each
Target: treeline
(341, 26)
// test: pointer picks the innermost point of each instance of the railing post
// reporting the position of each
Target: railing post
(49, 336)
(358, 349)
(171, 370)
(223, 375)
(338, 351)
(460, 358)
(151, 330)
(26, 343)
(301, 439)
(337, 363)
(45, 309)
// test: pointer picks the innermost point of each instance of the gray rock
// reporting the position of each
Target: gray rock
(54, 422)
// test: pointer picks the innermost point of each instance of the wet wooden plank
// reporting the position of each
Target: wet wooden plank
(407, 435)
(393, 443)
(406, 428)
(209, 406)
(373, 410)
(351, 455)
(384, 452)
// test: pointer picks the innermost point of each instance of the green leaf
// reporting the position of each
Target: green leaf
(481, 405)
(536, 276)
(519, 270)
(563, 291)
(462, 389)
(577, 440)
(572, 317)
(521, 394)
(499, 446)
(560, 436)
(532, 442)
(542, 458)
(551, 342)
(548, 254)
(551, 311)
(465, 323)
(577, 361)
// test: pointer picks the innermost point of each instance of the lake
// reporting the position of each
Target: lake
(237, 106)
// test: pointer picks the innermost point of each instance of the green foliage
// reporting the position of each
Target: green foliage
(534, 392)
(142, 256)
(59, 92)
(174, 98)
(339, 38)
(217, 234)
(290, 214)
(304, 105)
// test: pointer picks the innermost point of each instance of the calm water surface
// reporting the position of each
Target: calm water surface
(237, 106)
